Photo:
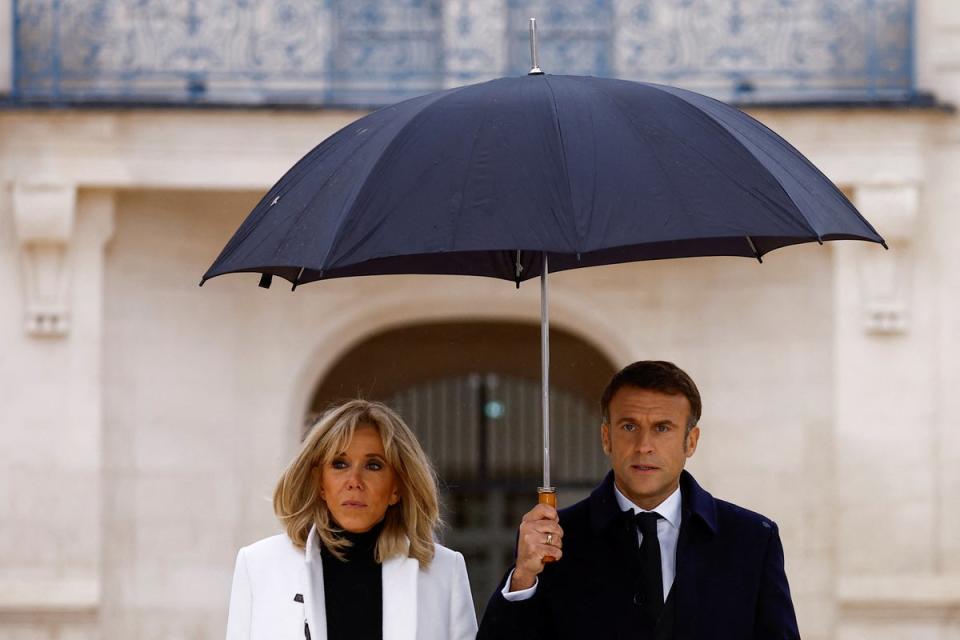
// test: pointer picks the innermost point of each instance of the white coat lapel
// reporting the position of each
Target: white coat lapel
(400, 598)
(314, 597)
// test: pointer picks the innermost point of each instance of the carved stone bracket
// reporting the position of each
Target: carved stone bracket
(44, 219)
(885, 276)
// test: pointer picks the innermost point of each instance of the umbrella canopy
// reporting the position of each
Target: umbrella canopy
(514, 177)
(490, 178)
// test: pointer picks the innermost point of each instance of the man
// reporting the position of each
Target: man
(649, 554)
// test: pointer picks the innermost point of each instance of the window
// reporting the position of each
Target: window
(471, 393)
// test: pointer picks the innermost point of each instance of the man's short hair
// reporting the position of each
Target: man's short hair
(654, 375)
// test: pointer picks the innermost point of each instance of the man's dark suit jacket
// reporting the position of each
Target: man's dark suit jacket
(729, 584)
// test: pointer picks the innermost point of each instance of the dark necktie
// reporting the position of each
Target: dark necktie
(651, 573)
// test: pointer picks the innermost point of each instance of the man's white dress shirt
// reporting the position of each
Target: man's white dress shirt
(668, 531)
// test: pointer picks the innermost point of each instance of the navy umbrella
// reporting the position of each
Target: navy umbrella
(506, 177)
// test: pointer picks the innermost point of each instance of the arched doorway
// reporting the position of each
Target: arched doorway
(471, 392)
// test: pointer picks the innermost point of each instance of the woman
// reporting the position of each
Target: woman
(358, 559)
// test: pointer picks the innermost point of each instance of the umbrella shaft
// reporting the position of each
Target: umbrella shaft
(545, 369)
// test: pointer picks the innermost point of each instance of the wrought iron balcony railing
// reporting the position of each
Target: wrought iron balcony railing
(372, 52)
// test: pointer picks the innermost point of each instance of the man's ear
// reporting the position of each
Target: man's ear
(690, 446)
(605, 438)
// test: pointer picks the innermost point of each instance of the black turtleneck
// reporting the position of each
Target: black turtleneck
(353, 589)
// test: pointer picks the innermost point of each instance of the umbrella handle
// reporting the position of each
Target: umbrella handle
(547, 495)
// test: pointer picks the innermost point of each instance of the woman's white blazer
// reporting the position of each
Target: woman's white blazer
(418, 604)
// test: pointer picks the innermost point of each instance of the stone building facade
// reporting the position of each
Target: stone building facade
(143, 420)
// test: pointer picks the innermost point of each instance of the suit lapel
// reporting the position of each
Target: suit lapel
(698, 527)
(313, 596)
(689, 559)
(400, 598)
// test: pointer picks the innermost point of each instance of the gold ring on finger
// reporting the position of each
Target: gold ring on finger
(549, 538)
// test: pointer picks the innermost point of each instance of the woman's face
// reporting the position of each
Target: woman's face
(357, 484)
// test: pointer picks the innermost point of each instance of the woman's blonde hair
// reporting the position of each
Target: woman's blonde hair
(408, 527)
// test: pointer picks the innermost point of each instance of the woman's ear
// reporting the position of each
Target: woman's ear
(395, 496)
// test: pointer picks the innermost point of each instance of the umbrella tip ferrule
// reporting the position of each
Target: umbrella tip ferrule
(296, 281)
(753, 248)
(883, 243)
(535, 69)
(266, 279)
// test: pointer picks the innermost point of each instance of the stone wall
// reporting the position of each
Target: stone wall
(143, 420)
(201, 385)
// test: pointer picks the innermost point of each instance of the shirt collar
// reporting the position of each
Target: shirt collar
(669, 509)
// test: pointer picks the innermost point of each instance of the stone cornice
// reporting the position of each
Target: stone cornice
(894, 594)
(49, 595)
(166, 149)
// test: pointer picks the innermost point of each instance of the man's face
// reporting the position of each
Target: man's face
(646, 444)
